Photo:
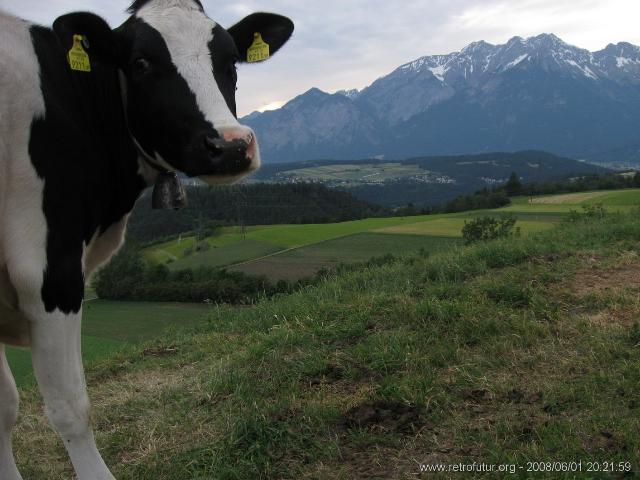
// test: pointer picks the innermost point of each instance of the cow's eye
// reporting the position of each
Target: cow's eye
(141, 66)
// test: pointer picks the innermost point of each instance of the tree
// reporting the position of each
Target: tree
(489, 228)
(513, 186)
(121, 276)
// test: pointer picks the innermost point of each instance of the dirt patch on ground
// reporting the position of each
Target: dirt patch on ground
(387, 415)
(623, 317)
(606, 441)
(597, 278)
(331, 374)
(604, 291)
(160, 351)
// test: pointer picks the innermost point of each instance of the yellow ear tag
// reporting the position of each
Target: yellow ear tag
(259, 50)
(78, 58)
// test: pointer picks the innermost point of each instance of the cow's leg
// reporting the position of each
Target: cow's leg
(8, 416)
(57, 363)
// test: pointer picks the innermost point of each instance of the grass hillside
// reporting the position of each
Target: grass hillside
(109, 326)
(620, 200)
(518, 350)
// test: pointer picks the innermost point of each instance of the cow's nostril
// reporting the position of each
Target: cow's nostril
(214, 144)
(226, 149)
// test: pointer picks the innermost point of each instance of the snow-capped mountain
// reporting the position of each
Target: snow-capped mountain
(535, 93)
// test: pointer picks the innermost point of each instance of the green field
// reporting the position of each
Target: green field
(506, 352)
(268, 250)
(109, 326)
(233, 247)
(356, 173)
(306, 261)
(620, 200)
(452, 227)
(175, 249)
(233, 253)
(607, 198)
(284, 236)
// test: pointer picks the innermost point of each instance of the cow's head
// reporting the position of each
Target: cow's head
(178, 69)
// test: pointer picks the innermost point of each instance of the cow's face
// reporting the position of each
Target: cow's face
(178, 70)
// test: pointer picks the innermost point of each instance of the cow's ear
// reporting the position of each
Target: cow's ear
(258, 28)
(99, 40)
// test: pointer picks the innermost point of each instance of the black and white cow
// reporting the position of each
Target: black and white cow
(89, 118)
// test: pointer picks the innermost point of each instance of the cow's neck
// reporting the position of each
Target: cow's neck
(82, 140)
(149, 168)
(128, 175)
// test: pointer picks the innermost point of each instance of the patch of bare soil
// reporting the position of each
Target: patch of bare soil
(331, 374)
(387, 415)
(604, 279)
(160, 352)
(621, 317)
(598, 280)
(606, 441)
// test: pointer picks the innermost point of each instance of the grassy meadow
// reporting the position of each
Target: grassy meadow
(618, 200)
(518, 350)
(107, 327)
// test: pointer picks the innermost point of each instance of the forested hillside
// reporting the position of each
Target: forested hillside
(253, 204)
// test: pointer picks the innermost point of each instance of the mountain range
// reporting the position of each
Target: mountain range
(535, 93)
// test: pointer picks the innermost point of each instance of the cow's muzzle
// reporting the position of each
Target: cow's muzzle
(232, 152)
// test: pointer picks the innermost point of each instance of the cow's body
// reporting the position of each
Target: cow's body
(75, 154)
(70, 175)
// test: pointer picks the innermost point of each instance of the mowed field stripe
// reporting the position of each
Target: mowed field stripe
(567, 198)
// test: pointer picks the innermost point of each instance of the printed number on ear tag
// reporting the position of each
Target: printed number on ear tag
(259, 49)
(78, 57)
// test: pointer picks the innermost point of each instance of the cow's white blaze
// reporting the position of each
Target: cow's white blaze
(188, 32)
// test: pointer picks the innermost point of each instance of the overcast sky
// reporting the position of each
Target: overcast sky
(344, 44)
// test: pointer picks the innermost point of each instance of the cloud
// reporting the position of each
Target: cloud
(343, 44)
(46, 12)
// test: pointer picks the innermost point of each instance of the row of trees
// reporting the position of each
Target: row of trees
(610, 181)
(129, 277)
(480, 200)
(489, 198)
